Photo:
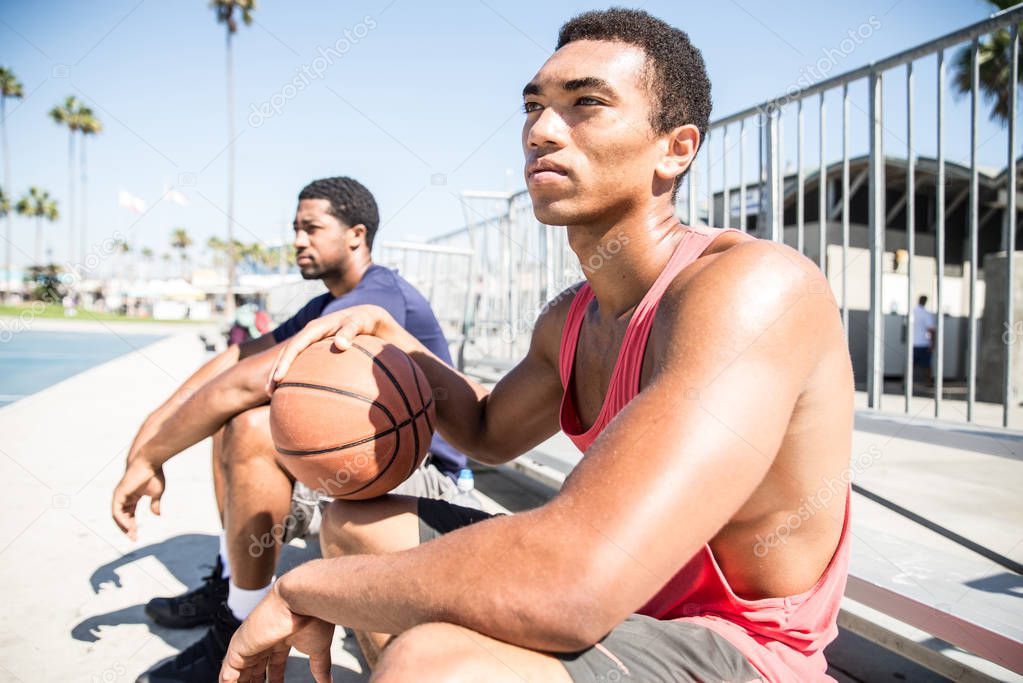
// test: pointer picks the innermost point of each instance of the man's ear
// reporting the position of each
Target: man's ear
(355, 236)
(680, 146)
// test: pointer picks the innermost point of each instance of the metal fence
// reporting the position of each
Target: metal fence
(774, 191)
(444, 275)
(518, 263)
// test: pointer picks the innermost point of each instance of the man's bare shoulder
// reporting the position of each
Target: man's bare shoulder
(739, 291)
(748, 271)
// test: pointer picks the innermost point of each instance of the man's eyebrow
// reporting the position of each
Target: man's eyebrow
(588, 82)
(531, 89)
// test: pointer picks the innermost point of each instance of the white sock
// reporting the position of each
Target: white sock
(224, 559)
(242, 601)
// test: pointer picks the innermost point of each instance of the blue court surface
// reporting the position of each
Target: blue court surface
(31, 361)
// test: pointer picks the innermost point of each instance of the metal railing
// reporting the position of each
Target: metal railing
(772, 186)
(444, 275)
(518, 263)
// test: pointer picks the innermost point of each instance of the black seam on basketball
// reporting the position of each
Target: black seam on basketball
(367, 439)
(422, 402)
(349, 394)
(419, 389)
(390, 461)
(387, 371)
(401, 391)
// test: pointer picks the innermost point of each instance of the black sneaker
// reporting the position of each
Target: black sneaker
(194, 608)
(199, 662)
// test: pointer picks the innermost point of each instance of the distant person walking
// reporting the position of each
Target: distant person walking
(923, 337)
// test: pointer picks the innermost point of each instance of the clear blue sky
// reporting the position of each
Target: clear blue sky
(421, 89)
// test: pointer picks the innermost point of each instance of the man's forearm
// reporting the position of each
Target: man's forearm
(153, 424)
(463, 578)
(231, 392)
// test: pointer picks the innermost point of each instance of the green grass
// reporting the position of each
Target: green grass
(40, 310)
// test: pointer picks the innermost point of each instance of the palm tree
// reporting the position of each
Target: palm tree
(5, 211)
(38, 204)
(181, 241)
(124, 246)
(995, 62)
(217, 247)
(10, 86)
(225, 10)
(255, 255)
(88, 124)
(147, 257)
(69, 114)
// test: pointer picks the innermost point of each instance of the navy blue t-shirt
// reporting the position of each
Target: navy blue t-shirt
(383, 287)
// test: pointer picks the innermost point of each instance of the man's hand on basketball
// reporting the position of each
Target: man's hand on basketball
(344, 326)
(141, 478)
(261, 645)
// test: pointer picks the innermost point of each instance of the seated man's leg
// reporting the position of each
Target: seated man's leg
(372, 527)
(444, 652)
(386, 525)
(639, 649)
(218, 471)
(258, 500)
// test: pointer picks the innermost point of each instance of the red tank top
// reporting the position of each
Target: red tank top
(784, 638)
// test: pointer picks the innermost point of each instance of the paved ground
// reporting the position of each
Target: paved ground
(77, 586)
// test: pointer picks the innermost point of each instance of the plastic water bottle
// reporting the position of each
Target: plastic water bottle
(466, 498)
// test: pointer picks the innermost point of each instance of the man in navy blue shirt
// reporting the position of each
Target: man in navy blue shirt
(261, 506)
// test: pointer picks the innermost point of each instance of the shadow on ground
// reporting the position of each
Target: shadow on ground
(190, 557)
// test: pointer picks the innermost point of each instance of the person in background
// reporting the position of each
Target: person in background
(923, 338)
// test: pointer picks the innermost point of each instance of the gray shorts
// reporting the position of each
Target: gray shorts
(307, 505)
(645, 649)
(640, 648)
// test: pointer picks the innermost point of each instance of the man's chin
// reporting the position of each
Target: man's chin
(554, 212)
(310, 273)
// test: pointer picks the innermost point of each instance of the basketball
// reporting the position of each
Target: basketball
(352, 424)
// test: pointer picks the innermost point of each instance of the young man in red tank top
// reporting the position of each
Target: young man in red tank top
(704, 374)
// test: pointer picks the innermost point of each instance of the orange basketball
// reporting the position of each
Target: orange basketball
(352, 424)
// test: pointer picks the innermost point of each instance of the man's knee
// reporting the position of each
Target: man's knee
(347, 527)
(360, 527)
(430, 653)
(246, 437)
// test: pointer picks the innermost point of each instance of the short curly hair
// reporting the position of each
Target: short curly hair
(350, 202)
(676, 75)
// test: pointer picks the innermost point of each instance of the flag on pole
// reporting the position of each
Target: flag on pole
(173, 196)
(131, 202)
(176, 197)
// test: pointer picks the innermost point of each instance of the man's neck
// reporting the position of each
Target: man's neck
(621, 260)
(344, 282)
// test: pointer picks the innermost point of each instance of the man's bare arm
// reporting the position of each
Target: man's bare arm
(221, 362)
(665, 475)
(157, 441)
(491, 426)
(233, 391)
